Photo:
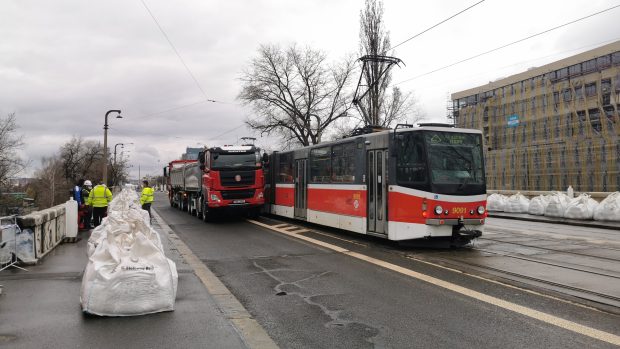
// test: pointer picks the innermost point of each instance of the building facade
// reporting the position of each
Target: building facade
(551, 126)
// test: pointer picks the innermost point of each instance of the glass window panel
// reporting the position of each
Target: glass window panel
(320, 165)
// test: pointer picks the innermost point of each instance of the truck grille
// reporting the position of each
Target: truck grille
(237, 194)
(229, 178)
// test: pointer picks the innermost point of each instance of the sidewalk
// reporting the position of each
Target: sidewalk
(556, 220)
(40, 308)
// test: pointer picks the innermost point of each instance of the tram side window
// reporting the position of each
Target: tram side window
(285, 168)
(320, 165)
(411, 160)
(343, 163)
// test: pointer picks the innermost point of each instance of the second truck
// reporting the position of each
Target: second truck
(228, 178)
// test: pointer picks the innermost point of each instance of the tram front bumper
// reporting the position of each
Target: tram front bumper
(454, 221)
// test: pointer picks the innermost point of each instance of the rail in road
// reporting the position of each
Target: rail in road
(305, 285)
(576, 263)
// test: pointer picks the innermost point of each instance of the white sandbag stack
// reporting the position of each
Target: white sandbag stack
(581, 207)
(496, 202)
(557, 205)
(538, 205)
(609, 209)
(128, 272)
(517, 203)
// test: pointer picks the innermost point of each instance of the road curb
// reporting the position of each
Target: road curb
(251, 332)
(566, 221)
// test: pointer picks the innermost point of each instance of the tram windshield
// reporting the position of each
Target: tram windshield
(455, 158)
(441, 162)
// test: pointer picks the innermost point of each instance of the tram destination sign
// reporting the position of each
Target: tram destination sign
(450, 139)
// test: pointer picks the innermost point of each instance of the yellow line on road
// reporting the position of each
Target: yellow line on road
(535, 314)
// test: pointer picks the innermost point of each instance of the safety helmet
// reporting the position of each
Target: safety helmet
(88, 183)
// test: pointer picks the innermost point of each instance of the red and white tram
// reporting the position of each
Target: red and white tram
(403, 184)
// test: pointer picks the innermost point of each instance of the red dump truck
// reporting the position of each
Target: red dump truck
(228, 178)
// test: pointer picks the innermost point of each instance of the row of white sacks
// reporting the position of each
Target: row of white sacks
(128, 272)
(559, 204)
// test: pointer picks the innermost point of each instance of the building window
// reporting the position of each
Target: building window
(609, 114)
(581, 116)
(574, 70)
(567, 95)
(579, 92)
(570, 130)
(615, 58)
(589, 66)
(603, 62)
(595, 119)
(534, 103)
(590, 89)
(320, 169)
(343, 163)
(606, 86)
(552, 75)
(562, 73)
(285, 168)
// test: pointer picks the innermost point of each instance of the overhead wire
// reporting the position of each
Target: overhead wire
(507, 45)
(435, 25)
(189, 71)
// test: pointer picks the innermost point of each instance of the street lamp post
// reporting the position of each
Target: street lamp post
(122, 146)
(105, 144)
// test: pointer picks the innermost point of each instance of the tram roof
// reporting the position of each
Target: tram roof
(387, 132)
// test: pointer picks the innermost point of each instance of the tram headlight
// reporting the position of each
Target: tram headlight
(481, 210)
(438, 209)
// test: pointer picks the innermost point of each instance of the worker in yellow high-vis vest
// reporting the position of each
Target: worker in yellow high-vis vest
(98, 199)
(146, 199)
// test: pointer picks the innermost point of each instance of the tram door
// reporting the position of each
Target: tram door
(376, 161)
(301, 188)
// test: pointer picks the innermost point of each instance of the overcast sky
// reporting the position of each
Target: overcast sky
(64, 63)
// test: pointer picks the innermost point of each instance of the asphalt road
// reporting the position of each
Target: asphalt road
(308, 296)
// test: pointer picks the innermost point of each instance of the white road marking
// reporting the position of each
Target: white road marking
(251, 332)
(535, 314)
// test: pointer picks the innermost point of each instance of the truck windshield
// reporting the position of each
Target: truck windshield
(234, 160)
(455, 158)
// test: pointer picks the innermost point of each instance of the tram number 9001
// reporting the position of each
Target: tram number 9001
(459, 210)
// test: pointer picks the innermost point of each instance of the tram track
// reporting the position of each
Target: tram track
(581, 293)
(557, 250)
(601, 300)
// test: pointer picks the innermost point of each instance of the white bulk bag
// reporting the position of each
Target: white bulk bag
(128, 275)
(557, 205)
(581, 207)
(496, 202)
(537, 205)
(517, 203)
(608, 209)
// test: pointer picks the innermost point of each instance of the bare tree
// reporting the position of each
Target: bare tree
(10, 163)
(50, 186)
(380, 107)
(81, 159)
(295, 93)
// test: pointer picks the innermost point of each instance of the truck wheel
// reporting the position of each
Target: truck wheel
(206, 215)
(254, 213)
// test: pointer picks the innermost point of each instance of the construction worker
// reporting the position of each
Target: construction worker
(146, 198)
(98, 199)
(88, 211)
